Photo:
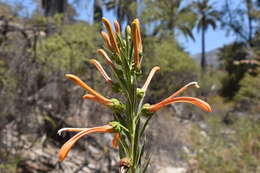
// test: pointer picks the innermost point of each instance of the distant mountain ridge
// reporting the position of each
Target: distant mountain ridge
(211, 58)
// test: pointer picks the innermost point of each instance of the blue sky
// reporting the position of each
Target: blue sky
(214, 39)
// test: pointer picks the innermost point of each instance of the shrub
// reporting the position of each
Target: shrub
(248, 96)
(229, 149)
(68, 49)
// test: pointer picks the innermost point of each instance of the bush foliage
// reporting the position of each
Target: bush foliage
(229, 149)
(68, 49)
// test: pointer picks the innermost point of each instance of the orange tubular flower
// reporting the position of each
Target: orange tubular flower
(90, 97)
(173, 99)
(70, 143)
(106, 39)
(106, 58)
(101, 70)
(79, 82)
(116, 140)
(136, 35)
(111, 35)
(150, 76)
(95, 99)
(117, 26)
(139, 36)
(196, 101)
(135, 43)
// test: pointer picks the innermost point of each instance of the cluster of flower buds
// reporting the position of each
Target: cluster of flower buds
(114, 61)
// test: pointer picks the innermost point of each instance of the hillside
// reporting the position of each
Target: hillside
(211, 57)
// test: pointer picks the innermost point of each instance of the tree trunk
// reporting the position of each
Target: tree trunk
(51, 7)
(249, 6)
(250, 30)
(203, 56)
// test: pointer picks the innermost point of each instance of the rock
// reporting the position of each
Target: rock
(172, 170)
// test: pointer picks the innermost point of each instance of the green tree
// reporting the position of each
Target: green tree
(229, 55)
(98, 12)
(242, 19)
(238, 59)
(69, 49)
(206, 16)
(169, 15)
(248, 96)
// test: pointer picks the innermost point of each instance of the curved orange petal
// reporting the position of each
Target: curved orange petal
(90, 97)
(193, 100)
(94, 98)
(115, 140)
(196, 101)
(70, 143)
(101, 70)
(79, 82)
(149, 78)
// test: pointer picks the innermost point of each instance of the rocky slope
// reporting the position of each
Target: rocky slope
(35, 149)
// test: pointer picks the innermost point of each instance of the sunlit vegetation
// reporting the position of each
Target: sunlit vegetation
(37, 49)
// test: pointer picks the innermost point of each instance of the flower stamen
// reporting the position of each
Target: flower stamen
(184, 88)
(71, 130)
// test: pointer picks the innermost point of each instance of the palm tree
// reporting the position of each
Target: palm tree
(241, 20)
(98, 12)
(206, 16)
(125, 10)
(169, 15)
(51, 7)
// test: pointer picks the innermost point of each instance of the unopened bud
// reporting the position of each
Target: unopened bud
(116, 105)
(125, 164)
(128, 29)
(145, 110)
(140, 92)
